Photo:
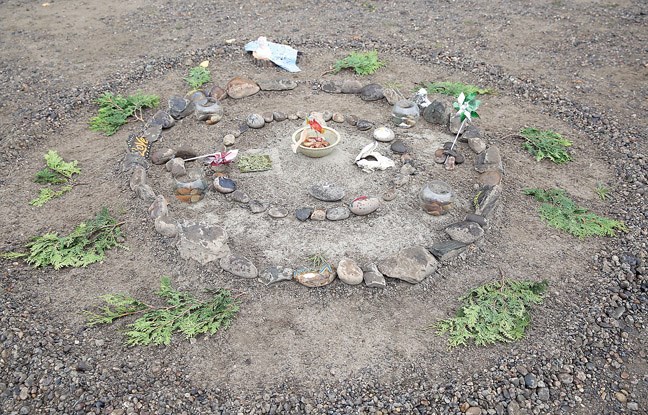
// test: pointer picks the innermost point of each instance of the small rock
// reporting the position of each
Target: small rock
(412, 264)
(478, 219)
(399, 146)
(332, 87)
(349, 272)
(465, 232)
(279, 116)
(327, 116)
(239, 266)
(407, 169)
(372, 277)
(166, 226)
(446, 250)
(162, 156)
(163, 119)
(240, 196)
(224, 184)
(458, 157)
(268, 117)
(318, 214)
(474, 410)
(255, 121)
(389, 195)
(145, 192)
(229, 140)
(338, 117)
(470, 132)
(351, 119)
(486, 199)
(138, 177)
(257, 206)
(218, 93)
(351, 86)
(621, 397)
(158, 207)
(436, 113)
(208, 109)
(326, 192)
(364, 205)
(152, 133)
(186, 152)
(543, 394)
(530, 381)
(490, 178)
(279, 84)
(180, 107)
(476, 144)
(313, 279)
(238, 88)
(272, 275)
(489, 160)
(440, 156)
(372, 92)
(293, 117)
(337, 213)
(278, 212)
(383, 134)
(364, 125)
(633, 406)
(449, 163)
(176, 167)
(304, 213)
(454, 123)
(392, 96)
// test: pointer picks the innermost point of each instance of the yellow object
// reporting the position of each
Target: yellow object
(204, 64)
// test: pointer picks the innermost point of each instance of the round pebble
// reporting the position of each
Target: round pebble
(364, 205)
(255, 121)
(383, 134)
(278, 212)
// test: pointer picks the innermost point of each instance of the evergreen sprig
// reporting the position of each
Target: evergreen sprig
(86, 245)
(365, 63)
(560, 212)
(546, 144)
(58, 171)
(46, 194)
(455, 88)
(198, 76)
(494, 312)
(114, 110)
(183, 313)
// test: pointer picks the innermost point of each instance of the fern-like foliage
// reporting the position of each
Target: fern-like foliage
(86, 245)
(198, 76)
(183, 313)
(58, 171)
(365, 63)
(114, 110)
(453, 89)
(546, 144)
(560, 212)
(494, 312)
(46, 194)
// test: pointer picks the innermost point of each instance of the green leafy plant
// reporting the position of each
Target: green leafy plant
(455, 88)
(562, 213)
(46, 194)
(86, 245)
(198, 76)
(602, 191)
(546, 144)
(57, 171)
(318, 259)
(183, 313)
(494, 312)
(114, 110)
(365, 63)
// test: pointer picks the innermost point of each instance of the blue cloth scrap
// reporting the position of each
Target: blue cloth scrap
(282, 55)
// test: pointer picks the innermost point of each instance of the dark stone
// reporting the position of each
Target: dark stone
(152, 133)
(163, 119)
(279, 116)
(436, 113)
(256, 206)
(487, 197)
(280, 84)
(465, 232)
(530, 381)
(372, 92)
(185, 152)
(489, 160)
(180, 107)
(351, 119)
(399, 146)
(447, 250)
(470, 132)
(459, 158)
(364, 125)
(303, 214)
(272, 275)
(133, 159)
(332, 87)
(479, 219)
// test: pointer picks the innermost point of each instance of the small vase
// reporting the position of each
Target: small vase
(437, 198)
(405, 113)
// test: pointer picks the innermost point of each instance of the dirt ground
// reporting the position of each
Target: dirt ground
(57, 57)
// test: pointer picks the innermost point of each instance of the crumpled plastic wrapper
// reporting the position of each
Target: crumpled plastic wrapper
(281, 55)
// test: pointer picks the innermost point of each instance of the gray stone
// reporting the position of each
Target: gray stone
(489, 160)
(399, 146)
(372, 92)
(180, 107)
(412, 264)
(543, 394)
(304, 213)
(364, 125)
(162, 156)
(446, 250)
(349, 272)
(255, 121)
(479, 219)
(633, 406)
(364, 206)
(278, 212)
(407, 169)
(239, 266)
(327, 116)
(332, 87)
(145, 192)
(326, 192)
(279, 84)
(436, 113)
(372, 277)
(338, 117)
(186, 152)
(351, 119)
(176, 167)
(138, 177)
(240, 196)
(392, 96)
(158, 207)
(152, 133)
(208, 108)
(486, 199)
(465, 232)
(470, 132)
(513, 408)
(238, 88)
(279, 116)
(476, 144)
(166, 226)
(161, 118)
(202, 242)
(337, 213)
(351, 86)
(530, 381)
(267, 117)
(454, 124)
(229, 140)
(132, 160)
(257, 206)
(272, 275)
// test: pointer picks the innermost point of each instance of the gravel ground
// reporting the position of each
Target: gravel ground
(46, 367)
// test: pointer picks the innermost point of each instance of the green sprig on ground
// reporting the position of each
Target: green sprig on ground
(546, 144)
(183, 313)
(454, 88)
(114, 110)
(198, 76)
(494, 312)
(365, 63)
(562, 213)
(57, 171)
(86, 245)
(46, 194)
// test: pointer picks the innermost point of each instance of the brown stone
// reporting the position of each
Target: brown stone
(492, 178)
(238, 88)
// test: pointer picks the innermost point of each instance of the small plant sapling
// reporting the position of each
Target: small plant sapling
(365, 63)
(199, 75)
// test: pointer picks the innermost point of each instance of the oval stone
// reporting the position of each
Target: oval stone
(224, 185)
(255, 121)
(364, 206)
(314, 278)
(349, 272)
(337, 213)
(326, 192)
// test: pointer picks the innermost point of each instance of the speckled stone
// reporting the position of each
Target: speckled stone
(255, 121)
(278, 212)
(337, 213)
